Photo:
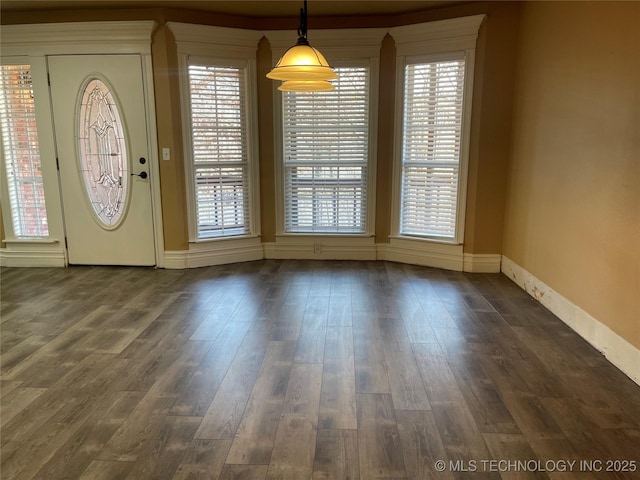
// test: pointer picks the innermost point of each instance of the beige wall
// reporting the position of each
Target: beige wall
(266, 143)
(168, 115)
(385, 147)
(2, 244)
(491, 129)
(573, 203)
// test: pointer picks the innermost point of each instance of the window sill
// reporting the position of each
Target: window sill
(323, 235)
(422, 251)
(416, 238)
(234, 238)
(27, 240)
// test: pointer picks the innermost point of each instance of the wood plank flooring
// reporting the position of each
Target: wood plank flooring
(300, 370)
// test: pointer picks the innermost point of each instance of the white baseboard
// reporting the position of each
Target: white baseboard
(438, 255)
(302, 247)
(482, 262)
(615, 348)
(418, 252)
(323, 247)
(176, 259)
(32, 256)
(215, 253)
(399, 250)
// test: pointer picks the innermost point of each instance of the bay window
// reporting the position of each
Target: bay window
(431, 139)
(218, 120)
(326, 155)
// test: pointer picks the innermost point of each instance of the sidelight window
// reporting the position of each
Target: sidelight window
(21, 152)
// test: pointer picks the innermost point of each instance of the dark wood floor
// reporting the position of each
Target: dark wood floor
(300, 370)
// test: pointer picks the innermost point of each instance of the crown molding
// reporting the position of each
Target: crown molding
(77, 38)
(441, 35)
(215, 41)
(351, 43)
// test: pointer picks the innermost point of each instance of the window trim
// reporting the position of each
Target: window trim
(47, 152)
(428, 42)
(219, 46)
(368, 177)
(8, 218)
(190, 167)
(463, 165)
(363, 50)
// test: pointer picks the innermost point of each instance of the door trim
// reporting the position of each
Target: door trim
(77, 38)
(38, 41)
(154, 166)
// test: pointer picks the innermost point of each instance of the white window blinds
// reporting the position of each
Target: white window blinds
(326, 136)
(431, 139)
(219, 150)
(22, 152)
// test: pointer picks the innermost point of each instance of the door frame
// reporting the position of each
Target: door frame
(34, 43)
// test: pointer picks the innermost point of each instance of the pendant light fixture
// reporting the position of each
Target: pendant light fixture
(302, 68)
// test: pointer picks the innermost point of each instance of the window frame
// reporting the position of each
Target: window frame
(219, 46)
(191, 167)
(9, 220)
(368, 180)
(424, 43)
(363, 50)
(463, 160)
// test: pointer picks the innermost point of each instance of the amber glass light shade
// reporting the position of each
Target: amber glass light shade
(306, 86)
(302, 68)
(302, 62)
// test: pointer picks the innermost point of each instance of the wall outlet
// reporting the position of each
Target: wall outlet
(166, 154)
(317, 248)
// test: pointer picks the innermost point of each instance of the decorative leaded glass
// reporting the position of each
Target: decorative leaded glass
(103, 153)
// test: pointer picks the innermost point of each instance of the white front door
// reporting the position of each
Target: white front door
(101, 138)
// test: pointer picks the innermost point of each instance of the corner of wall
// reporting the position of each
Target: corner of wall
(169, 128)
(490, 141)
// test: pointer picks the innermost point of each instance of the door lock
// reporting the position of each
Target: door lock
(142, 175)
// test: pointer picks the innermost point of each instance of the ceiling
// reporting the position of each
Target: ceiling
(254, 8)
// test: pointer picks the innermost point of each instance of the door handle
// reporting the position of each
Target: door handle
(142, 175)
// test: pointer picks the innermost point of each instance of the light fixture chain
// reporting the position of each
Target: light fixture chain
(302, 29)
(302, 68)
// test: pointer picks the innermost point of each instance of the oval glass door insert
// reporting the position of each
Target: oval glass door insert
(103, 152)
